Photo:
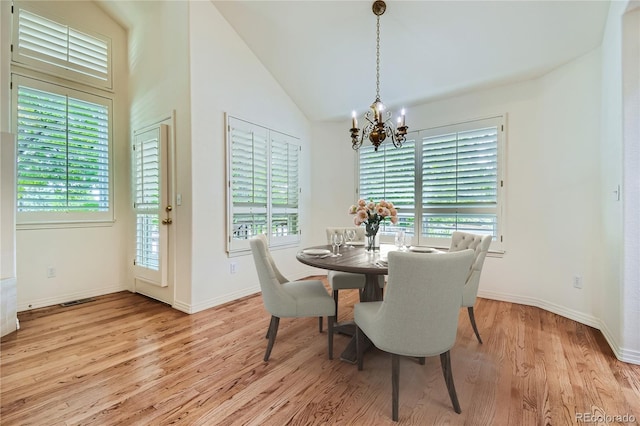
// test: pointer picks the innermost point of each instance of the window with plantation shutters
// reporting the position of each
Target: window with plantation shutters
(63, 158)
(460, 182)
(58, 48)
(442, 180)
(263, 172)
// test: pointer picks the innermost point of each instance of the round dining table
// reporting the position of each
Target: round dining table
(356, 260)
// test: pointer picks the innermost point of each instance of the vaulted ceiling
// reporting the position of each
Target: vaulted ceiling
(323, 52)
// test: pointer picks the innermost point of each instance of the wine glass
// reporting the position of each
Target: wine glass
(399, 240)
(350, 235)
(337, 241)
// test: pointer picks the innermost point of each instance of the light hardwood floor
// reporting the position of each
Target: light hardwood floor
(124, 359)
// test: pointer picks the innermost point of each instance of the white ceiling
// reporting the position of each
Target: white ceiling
(323, 52)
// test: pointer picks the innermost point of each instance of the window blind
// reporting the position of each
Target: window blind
(41, 41)
(249, 184)
(284, 188)
(389, 174)
(147, 201)
(459, 179)
(63, 153)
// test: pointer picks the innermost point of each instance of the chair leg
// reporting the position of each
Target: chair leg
(335, 298)
(395, 385)
(472, 317)
(320, 324)
(273, 330)
(359, 347)
(421, 360)
(330, 322)
(445, 361)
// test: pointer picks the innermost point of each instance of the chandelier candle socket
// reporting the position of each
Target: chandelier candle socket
(378, 123)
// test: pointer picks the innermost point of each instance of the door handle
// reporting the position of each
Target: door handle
(167, 221)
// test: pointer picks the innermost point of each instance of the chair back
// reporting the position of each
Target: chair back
(341, 230)
(276, 300)
(419, 313)
(480, 245)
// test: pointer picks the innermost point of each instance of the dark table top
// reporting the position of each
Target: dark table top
(355, 259)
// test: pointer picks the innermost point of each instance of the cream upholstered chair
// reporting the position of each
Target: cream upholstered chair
(419, 314)
(480, 245)
(346, 280)
(285, 299)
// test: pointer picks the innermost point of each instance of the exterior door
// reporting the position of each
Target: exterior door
(153, 212)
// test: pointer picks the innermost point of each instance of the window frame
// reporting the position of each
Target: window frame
(31, 219)
(265, 207)
(414, 231)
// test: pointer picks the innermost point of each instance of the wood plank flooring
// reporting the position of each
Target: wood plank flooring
(124, 359)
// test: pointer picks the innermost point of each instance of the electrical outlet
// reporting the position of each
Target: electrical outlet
(233, 267)
(51, 272)
(577, 281)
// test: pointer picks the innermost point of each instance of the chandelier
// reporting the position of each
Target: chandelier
(378, 125)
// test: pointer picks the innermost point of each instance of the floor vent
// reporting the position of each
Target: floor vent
(76, 302)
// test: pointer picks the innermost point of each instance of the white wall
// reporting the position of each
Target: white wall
(89, 261)
(227, 77)
(630, 294)
(611, 176)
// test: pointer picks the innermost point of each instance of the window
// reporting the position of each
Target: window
(263, 173)
(63, 158)
(59, 49)
(442, 180)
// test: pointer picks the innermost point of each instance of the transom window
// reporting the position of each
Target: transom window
(60, 49)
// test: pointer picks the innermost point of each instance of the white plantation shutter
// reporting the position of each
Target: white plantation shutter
(248, 182)
(460, 182)
(63, 154)
(389, 174)
(56, 47)
(284, 188)
(263, 173)
(147, 201)
(454, 184)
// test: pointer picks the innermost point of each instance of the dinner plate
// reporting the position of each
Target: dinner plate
(421, 249)
(356, 243)
(383, 262)
(316, 252)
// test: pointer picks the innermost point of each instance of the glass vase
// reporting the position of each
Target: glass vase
(372, 242)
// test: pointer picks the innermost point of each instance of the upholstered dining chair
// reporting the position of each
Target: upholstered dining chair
(480, 245)
(289, 299)
(339, 280)
(419, 314)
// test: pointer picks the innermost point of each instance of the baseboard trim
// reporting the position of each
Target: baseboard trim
(216, 301)
(625, 355)
(66, 297)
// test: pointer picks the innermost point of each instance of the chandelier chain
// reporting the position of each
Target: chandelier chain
(378, 57)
